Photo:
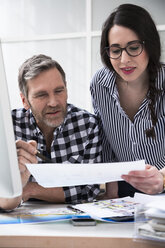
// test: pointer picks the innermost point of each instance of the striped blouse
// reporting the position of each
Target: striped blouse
(124, 140)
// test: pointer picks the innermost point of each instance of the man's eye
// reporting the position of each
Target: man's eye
(59, 91)
(40, 95)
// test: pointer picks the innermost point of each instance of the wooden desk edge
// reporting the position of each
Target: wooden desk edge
(71, 242)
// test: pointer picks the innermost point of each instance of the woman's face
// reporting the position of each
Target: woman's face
(129, 68)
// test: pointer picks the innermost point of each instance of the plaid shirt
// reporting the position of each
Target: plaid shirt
(75, 141)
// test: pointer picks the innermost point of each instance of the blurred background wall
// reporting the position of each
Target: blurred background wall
(68, 31)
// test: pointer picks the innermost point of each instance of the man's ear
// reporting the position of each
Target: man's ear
(24, 101)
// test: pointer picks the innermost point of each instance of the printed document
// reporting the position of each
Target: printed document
(60, 175)
(109, 208)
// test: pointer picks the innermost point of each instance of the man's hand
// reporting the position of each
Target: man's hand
(26, 154)
(149, 181)
(29, 191)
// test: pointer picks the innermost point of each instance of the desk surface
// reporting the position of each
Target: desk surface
(63, 234)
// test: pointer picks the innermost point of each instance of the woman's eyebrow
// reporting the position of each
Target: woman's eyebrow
(115, 44)
(128, 43)
(133, 41)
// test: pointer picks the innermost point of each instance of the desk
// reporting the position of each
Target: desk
(63, 235)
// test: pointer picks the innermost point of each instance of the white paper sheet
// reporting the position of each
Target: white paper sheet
(58, 175)
(153, 199)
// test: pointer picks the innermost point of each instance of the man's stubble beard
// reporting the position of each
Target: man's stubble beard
(50, 122)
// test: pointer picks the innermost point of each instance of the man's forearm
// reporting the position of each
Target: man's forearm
(111, 190)
(34, 190)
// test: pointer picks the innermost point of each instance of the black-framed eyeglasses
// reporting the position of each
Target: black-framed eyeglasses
(134, 48)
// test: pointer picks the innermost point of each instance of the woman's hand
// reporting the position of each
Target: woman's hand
(149, 181)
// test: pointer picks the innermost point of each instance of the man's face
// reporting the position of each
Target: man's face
(47, 98)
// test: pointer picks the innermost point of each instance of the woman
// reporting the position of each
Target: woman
(129, 97)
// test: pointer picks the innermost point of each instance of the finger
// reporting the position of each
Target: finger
(33, 143)
(148, 172)
(134, 180)
(26, 158)
(150, 178)
(27, 146)
(150, 185)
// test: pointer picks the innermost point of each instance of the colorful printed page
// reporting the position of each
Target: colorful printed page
(119, 207)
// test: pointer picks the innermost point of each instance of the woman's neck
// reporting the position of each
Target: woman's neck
(140, 84)
(132, 94)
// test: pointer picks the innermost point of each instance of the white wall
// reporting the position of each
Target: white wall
(68, 31)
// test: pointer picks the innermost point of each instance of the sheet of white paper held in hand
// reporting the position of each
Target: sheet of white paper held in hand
(58, 175)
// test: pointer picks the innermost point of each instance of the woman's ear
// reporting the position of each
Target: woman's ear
(24, 101)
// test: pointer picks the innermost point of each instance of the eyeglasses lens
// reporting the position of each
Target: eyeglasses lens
(133, 50)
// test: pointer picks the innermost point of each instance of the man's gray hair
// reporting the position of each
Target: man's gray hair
(33, 66)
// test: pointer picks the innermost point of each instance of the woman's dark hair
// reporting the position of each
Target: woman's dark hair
(138, 20)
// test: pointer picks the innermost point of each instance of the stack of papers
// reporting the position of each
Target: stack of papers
(154, 226)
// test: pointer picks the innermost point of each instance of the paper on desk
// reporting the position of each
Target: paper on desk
(154, 200)
(39, 214)
(109, 208)
(58, 175)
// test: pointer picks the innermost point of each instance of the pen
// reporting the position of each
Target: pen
(38, 154)
(74, 209)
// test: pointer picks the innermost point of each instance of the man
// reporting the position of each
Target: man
(59, 130)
